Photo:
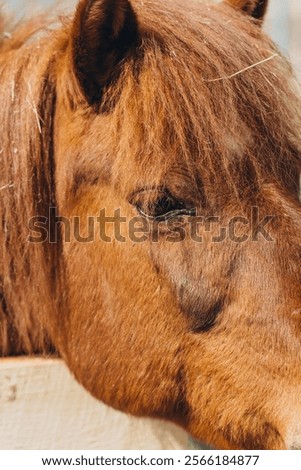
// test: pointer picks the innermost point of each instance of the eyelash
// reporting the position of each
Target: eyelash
(163, 208)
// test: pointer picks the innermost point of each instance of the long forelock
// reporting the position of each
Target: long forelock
(213, 90)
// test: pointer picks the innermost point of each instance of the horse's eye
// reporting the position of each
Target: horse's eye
(160, 205)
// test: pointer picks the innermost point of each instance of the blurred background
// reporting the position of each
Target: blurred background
(283, 23)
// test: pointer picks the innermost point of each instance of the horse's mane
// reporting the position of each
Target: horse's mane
(206, 86)
(27, 183)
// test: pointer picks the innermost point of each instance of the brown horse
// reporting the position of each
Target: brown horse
(184, 118)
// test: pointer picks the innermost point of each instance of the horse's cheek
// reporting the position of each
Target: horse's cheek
(124, 331)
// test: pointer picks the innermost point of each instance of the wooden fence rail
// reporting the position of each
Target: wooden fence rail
(42, 407)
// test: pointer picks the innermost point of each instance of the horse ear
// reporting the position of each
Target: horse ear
(104, 32)
(255, 8)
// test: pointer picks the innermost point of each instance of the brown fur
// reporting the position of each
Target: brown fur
(194, 100)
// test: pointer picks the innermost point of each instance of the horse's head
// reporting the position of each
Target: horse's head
(185, 304)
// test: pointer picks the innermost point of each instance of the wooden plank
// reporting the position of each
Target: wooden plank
(42, 407)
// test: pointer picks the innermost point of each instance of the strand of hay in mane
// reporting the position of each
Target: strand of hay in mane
(239, 72)
(33, 106)
(7, 186)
